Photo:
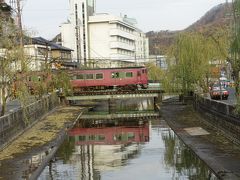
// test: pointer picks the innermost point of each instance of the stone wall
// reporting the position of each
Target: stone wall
(220, 115)
(14, 123)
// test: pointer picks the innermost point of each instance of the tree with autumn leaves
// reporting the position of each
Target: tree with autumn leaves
(22, 83)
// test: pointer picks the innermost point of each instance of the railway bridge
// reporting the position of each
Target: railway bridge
(153, 91)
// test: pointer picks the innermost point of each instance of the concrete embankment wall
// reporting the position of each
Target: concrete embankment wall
(220, 115)
(14, 123)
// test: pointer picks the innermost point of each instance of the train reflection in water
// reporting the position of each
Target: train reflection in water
(110, 135)
(99, 149)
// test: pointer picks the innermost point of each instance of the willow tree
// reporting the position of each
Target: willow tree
(235, 50)
(61, 82)
(192, 54)
(155, 73)
(235, 45)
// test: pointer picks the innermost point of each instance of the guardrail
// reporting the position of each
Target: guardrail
(220, 115)
(14, 123)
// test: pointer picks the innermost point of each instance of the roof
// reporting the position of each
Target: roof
(54, 46)
(112, 68)
(5, 7)
(5, 10)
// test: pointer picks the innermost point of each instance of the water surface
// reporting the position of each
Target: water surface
(134, 150)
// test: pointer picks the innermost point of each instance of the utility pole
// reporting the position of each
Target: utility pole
(16, 5)
(19, 18)
(78, 40)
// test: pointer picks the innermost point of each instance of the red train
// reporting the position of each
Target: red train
(108, 78)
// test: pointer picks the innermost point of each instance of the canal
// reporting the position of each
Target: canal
(128, 148)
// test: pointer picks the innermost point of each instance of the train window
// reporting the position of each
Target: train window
(143, 71)
(82, 138)
(139, 73)
(129, 74)
(115, 74)
(34, 78)
(29, 78)
(122, 75)
(89, 76)
(131, 136)
(91, 137)
(99, 76)
(80, 76)
(74, 77)
(112, 74)
(101, 137)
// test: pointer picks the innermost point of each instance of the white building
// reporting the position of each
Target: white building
(159, 61)
(116, 39)
(75, 31)
(102, 38)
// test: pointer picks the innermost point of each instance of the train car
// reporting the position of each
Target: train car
(127, 78)
(34, 81)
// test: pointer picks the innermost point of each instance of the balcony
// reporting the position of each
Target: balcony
(118, 32)
(121, 45)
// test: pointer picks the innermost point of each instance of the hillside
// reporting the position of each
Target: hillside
(210, 23)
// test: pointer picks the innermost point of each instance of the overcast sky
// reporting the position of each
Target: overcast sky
(43, 17)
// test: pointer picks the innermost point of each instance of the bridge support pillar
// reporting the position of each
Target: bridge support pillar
(157, 100)
(111, 106)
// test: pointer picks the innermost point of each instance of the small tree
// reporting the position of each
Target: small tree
(10, 53)
(61, 82)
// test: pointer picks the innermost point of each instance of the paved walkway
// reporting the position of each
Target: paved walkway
(214, 149)
(11, 106)
(15, 104)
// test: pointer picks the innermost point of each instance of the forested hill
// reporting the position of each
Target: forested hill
(215, 19)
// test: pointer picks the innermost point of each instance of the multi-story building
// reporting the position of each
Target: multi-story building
(116, 40)
(102, 39)
(75, 31)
